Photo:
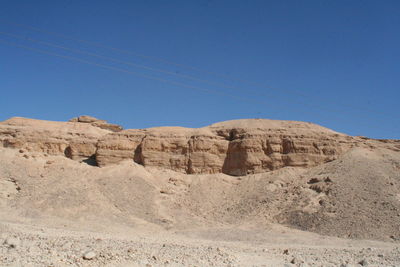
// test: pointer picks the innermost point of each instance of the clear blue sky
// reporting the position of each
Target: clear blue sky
(334, 63)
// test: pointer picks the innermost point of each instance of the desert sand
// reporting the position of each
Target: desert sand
(237, 193)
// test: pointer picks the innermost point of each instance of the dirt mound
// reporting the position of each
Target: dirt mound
(360, 197)
(356, 196)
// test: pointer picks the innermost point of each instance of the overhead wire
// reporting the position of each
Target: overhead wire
(375, 112)
(129, 63)
(162, 60)
(252, 83)
(241, 99)
(124, 70)
(145, 67)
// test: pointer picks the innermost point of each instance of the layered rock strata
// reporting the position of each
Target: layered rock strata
(235, 147)
(77, 141)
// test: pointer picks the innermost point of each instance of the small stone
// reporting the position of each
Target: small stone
(271, 187)
(67, 245)
(12, 242)
(286, 252)
(297, 260)
(89, 255)
(165, 191)
(363, 262)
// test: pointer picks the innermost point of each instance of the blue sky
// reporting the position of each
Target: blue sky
(334, 63)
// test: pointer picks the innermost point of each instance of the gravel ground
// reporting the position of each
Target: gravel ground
(57, 247)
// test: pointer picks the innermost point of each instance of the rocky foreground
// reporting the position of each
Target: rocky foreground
(236, 193)
(49, 247)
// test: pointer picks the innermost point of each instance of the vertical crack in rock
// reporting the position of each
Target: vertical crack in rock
(189, 167)
(138, 156)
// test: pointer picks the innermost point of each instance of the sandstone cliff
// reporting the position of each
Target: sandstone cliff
(237, 147)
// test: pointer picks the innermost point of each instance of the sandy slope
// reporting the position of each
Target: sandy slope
(127, 214)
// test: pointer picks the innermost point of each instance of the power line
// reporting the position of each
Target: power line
(124, 70)
(96, 44)
(136, 65)
(79, 51)
(161, 70)
(162, 60)
(144, 75)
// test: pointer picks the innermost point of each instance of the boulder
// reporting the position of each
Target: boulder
(97, 123)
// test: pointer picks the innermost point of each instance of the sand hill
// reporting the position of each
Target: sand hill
(238, 193)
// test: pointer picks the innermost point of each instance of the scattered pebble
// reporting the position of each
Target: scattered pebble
(297, 260)
(89, 255)
(12, 242)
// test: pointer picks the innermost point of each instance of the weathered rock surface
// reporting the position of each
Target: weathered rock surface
(75, 140)
(116, 147)
(234, 147)
(98, 123)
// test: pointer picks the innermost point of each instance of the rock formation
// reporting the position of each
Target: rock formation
(98, 123)
(77, 141)
(234, 147)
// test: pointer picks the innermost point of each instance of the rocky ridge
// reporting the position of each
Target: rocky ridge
(237, 147)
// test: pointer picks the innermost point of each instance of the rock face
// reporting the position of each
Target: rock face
(77, 141)
(235, 147)
(116, 147)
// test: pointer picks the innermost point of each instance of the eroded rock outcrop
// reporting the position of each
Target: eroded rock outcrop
(77, 141)
(235, 147)
(97, 123)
